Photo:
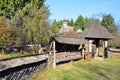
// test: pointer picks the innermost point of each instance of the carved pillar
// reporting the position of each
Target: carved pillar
(54, 62)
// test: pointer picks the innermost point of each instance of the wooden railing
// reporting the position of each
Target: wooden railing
(113, 53)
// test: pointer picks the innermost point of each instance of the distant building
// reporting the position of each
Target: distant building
(65, 28)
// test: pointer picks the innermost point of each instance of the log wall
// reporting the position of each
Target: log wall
(63, 57)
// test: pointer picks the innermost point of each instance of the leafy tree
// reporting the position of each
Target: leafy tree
(8, 34)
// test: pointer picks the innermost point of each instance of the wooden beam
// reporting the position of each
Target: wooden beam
(90, 46)
(83, 50)
(105, 48)
(97, 48)
(106, 43)
(54, 62)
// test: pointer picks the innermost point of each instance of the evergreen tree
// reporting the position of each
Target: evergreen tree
(55, 27)
(108, 22)
(35, 26)
(8, 8)
(82, 23)
(79, 23)
(30, 16)
(71, 22)
(86, 22)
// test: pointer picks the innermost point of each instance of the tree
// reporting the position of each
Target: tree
(29, 21)
(87, 22)
(79, 23)
(107, 20)
(108, 23)
(8, 8)
(82, 23)
(32, 22)
(8, 34)
(71, 22)
(55, 27)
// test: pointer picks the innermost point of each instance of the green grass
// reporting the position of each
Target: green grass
(13, 54)
(82, 70)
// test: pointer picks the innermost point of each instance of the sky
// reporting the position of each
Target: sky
(71, 9)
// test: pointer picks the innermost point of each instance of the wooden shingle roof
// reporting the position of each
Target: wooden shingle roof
(96, 30)
(70, 40)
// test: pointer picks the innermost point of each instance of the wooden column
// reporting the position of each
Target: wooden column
(97, 48)
(54, 62)
(90, 46)
(83, 47)
(106, 43)
(105, 48)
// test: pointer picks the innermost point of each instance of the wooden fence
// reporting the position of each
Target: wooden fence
(113, 53)
(21, 68)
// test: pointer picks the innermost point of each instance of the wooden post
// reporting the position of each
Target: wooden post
(105, 49)
(83, 50)
(97, 48)
(106, 43)
(54, 62)
(90, 46)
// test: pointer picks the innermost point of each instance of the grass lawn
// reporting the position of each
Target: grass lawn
(83, 70)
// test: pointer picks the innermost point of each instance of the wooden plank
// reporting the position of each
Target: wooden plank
(68, 59)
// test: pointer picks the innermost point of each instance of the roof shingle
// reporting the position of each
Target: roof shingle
(70, 40)
(95, 30)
